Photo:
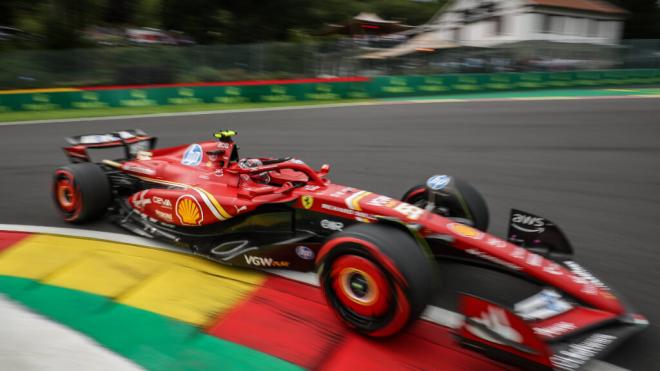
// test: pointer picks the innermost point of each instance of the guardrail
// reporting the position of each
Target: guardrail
(282, 91)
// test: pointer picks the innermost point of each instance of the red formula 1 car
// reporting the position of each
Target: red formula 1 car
(376, 256)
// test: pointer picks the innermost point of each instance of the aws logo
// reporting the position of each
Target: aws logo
(188, 211)
(528, 223)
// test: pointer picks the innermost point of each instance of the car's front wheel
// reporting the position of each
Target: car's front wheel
(81, 192)
(376, 278)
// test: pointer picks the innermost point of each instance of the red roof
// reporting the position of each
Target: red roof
(599, 6)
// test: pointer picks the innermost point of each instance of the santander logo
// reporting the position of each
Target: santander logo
(495, 320)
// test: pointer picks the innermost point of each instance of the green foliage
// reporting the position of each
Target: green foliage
(148, 13)
(241, 21)
(644, 19)
(128, 65)
(207, 21)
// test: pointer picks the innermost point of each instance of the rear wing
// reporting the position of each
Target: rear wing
(122, 145)
(566, 339)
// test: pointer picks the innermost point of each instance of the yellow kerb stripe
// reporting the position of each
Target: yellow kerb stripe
(180, 286)
(38, 91)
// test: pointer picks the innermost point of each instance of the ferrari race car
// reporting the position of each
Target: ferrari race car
(376, 256)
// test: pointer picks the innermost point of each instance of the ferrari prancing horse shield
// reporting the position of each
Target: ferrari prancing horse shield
(307, 201)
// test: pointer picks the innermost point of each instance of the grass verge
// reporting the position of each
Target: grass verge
(128, 111)
(9, 117)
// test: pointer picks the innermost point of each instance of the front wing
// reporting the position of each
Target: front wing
(567, 337)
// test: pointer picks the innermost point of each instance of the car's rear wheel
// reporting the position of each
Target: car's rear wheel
(81, 192)
(375, 277)
(464, 203)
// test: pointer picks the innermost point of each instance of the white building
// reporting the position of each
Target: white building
(486, 23)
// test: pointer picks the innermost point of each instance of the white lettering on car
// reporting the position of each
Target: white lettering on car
(555, 329)
(382, 201)
(581, 272)
(332, 225)
(495, 320)
(410, 211)
(162, 202)
(258, 261)
(347, 211)
(528, 223)
(578, 354)
(496, 242)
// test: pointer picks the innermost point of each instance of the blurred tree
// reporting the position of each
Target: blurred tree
(118, 11)
(201, 19)
(148, 13)
(7, 11)
(230, 21)
(644, 20)
(64, 19)
(242, 21)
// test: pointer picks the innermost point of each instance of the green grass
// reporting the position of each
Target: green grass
(8, 117)
(128, 111)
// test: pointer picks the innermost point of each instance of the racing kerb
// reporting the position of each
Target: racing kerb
(162, 309)
(315, 89)
(166, 310)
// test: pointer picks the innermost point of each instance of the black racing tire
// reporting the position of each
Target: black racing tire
(82, 192)
(376, 278)
(476, 204)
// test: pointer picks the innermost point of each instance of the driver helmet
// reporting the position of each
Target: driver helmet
(250, 163)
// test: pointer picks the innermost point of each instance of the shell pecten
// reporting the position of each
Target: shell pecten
(188, 211)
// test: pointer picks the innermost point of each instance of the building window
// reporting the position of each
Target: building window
(546, 23)
(456, 34)
(592, 28)
(573, 26)
(498, 21)
(557, 24)
(580, 26)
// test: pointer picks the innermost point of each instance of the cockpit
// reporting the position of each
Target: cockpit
(261, 176)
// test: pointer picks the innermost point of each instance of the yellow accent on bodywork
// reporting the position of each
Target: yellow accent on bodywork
(212, 198)
(356, 200)
(215, 203)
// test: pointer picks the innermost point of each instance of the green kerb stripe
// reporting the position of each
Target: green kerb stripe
(148, 339)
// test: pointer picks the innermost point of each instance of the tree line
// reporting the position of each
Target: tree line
(207, 21)
(59, 22)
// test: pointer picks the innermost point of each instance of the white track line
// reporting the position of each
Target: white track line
(193, 113)
(437, 315)
(31, 342)
(421, 100)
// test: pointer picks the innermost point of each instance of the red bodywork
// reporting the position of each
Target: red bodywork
(205, 187)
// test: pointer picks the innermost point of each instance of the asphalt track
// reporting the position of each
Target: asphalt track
(592, 166)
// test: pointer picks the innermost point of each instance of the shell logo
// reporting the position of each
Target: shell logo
(465, 231)
(188, 210)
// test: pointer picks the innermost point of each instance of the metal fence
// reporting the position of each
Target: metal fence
(171, 64)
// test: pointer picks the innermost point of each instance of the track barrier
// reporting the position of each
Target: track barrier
(322, 89)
